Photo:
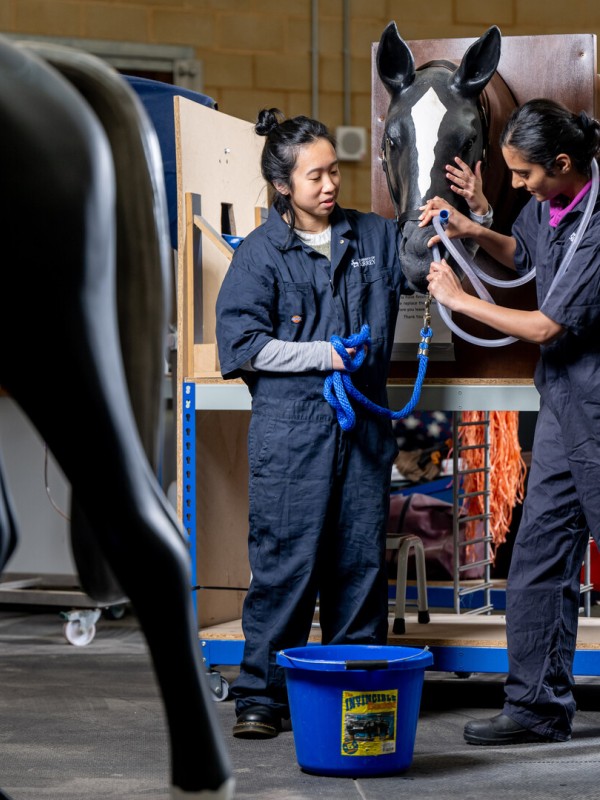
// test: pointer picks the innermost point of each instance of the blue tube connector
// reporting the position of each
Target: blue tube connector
(444, 216)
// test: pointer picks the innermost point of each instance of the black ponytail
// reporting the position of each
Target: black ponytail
(541, 129)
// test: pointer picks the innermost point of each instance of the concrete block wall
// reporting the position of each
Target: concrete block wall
(259, 53)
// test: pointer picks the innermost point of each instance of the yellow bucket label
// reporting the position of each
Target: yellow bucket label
(369, 723)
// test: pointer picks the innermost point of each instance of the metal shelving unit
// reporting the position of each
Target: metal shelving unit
(473, 603)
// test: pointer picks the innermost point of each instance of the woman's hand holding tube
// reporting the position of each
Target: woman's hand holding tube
(497, 245)
(531, 326)
(457, 227)
(444, 285)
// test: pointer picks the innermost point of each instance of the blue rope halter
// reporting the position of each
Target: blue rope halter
(338, 384)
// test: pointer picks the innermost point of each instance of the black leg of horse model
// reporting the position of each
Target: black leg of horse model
(57, 206)
(8, 526)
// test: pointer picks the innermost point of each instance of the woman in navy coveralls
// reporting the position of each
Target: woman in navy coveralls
(549, 151)
(318, 495)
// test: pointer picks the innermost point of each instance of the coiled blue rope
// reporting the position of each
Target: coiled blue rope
(338, 384)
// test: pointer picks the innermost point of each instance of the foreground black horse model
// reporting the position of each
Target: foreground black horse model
(83, 311)
(436, 112)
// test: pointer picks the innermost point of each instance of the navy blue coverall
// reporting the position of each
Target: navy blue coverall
(562, 503)
(318, 496)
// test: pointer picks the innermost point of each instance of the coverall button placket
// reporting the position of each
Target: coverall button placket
(337, 257)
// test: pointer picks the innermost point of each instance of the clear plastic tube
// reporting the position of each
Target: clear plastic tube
(445, 315)
(461, 259)
(438, 224)
(474, 273)
(491, 281)
(580, 231)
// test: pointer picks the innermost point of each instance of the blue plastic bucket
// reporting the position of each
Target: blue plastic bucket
(354, 708)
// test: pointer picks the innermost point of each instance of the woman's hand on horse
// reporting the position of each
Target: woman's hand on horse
(468, 184)
(444, 285)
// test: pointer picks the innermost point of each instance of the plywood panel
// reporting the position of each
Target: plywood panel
(219, 187)
(222, 513)
(218, 159)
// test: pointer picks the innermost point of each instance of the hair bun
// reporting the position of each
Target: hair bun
(584, 121)
(268, 120)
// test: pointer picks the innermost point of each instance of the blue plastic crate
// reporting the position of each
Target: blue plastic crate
(440, 488)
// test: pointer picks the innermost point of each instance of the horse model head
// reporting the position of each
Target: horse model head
(435, 114)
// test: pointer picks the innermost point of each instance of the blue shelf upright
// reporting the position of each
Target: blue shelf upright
(189, 472)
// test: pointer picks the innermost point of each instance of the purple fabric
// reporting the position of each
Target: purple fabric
(557, 212)
(431, 520)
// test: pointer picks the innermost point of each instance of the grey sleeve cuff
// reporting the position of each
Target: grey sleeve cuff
(280, 356)
(483, 219)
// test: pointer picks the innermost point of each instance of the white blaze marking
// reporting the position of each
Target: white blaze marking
(427, 116)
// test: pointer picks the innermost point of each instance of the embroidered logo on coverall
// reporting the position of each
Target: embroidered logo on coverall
(369, 261)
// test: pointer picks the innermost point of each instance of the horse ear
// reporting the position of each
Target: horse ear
(478, 64)
(395, 62)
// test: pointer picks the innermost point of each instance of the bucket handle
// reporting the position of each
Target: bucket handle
(358, 664)
(382, 664)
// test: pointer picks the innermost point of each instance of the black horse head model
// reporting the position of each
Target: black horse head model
(434, 114)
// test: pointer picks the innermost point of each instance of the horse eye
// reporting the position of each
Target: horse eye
(468, 145)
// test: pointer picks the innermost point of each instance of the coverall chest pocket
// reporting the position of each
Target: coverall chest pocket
(297, 307)
(374, 292)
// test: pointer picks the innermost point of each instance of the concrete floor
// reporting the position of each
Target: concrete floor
(87, 723)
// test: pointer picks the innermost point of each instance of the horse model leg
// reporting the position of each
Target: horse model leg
(57, 207)
(8, 525)
(144, 282)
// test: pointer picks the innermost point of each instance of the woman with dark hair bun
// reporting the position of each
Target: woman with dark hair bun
(319, 495)
(552, 153)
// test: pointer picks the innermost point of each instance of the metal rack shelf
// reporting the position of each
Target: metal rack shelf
(465, 645)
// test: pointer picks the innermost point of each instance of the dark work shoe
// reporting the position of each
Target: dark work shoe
(499, 730)
(257, 722)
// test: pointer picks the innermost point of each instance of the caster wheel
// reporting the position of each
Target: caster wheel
(115, 612)
(218, 686)
(223, 691)
(78, 634)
